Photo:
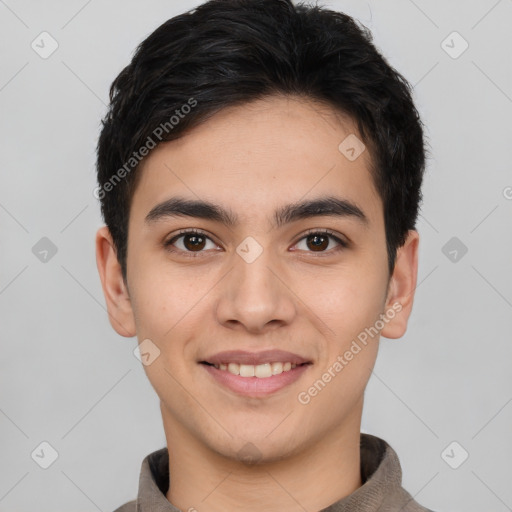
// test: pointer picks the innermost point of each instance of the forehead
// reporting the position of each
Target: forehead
(259, 156)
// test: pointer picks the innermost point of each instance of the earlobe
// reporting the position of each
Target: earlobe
(401, 288)
(114, 288)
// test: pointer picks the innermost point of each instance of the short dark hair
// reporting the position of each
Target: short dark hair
(230, 52)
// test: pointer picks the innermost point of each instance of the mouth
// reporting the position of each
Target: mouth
(255, 374)
(260, 371)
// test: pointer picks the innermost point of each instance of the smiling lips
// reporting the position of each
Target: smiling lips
(262, 365)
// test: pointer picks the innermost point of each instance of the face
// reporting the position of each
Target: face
(277, 277)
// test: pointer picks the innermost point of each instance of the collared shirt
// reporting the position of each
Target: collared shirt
(381, 491)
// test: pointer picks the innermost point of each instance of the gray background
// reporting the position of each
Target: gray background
(68, 379)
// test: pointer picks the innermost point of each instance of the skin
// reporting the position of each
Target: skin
(253, 159)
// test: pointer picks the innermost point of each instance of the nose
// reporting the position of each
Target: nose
(254, 296)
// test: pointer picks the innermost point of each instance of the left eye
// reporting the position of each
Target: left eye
(320, 240)
(196, 241)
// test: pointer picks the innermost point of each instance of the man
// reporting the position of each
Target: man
(259, 173)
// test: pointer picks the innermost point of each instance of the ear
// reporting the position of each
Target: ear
(119, 306)
(402, 287)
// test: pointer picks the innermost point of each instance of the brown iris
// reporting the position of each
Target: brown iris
(317, 241)
(197, 241)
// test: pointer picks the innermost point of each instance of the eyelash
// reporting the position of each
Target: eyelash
(342, 244)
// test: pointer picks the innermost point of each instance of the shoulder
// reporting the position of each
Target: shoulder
(127, 507)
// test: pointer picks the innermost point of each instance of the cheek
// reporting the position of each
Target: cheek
(157, 302)
(347, 303)
(349, 310)
(168, 306)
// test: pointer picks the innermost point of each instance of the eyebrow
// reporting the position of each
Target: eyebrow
(323, 206)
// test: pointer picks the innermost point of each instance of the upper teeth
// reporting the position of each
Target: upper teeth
(261, 370)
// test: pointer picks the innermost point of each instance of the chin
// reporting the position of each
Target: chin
(255, 448)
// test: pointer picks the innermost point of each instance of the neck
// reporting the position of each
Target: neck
(310, 479)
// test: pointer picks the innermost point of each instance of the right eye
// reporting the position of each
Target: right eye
(192, 241)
